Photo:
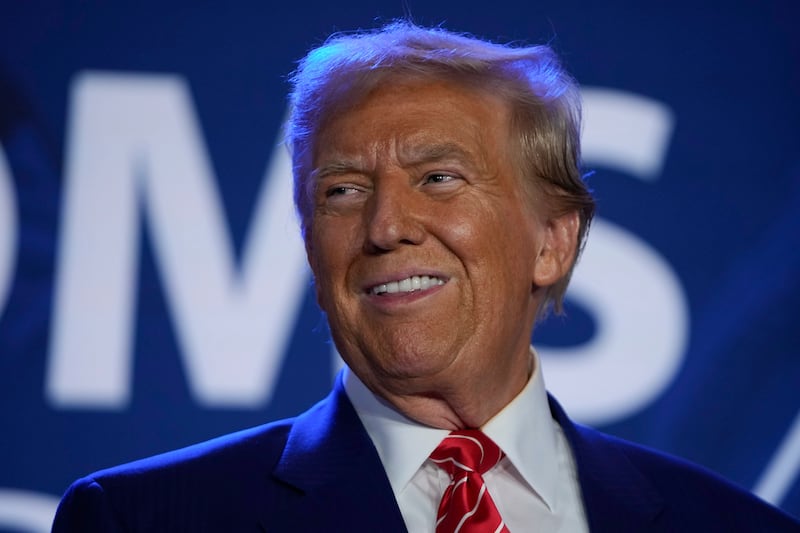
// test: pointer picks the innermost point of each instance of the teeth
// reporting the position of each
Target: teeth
(414, 283)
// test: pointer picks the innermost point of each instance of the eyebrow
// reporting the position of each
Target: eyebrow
(336, 167)
(428, 152)
(417, 154)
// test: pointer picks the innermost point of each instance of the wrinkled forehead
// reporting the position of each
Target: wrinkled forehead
(344, 100)
(413, 122)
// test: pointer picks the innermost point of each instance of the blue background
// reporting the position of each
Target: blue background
(725, 211)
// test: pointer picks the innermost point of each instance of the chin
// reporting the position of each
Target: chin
(415, 366)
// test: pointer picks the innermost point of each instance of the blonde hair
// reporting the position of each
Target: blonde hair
(543, 97)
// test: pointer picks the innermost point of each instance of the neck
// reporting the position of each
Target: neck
(461, 404)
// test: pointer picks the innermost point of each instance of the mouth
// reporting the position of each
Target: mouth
(406, 285)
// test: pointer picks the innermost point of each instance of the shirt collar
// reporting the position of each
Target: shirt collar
(524, 430)
(403, 444)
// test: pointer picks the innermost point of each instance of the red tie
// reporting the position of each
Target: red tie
(466, 505)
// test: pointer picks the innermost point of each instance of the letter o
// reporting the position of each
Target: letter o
(8, 229)
(27, 511)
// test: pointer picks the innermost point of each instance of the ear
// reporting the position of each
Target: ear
(557, 252)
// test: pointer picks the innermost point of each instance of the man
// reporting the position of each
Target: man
(438, 186)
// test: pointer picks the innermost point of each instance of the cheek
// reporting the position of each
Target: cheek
(332, 251)
(503, 248)
(485, 238)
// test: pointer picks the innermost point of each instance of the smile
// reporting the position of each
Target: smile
(414, 283)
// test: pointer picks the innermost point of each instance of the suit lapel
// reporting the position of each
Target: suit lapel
(339, 480)
(616, 495)
(339, 484)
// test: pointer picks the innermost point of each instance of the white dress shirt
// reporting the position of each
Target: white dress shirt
(535, 487)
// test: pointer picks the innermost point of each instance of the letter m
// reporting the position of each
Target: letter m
(136, 150)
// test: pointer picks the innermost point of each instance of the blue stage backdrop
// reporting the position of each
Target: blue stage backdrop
(153, 286)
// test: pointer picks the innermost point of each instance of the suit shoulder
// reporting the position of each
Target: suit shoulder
(260, 445)
(692, 490)
(665, 469)
(200, 485)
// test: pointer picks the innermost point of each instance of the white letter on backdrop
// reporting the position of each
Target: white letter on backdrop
(136, 146)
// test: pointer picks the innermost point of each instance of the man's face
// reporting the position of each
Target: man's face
(426, 251)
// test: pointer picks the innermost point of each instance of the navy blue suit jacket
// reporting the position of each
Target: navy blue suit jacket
(321, 472)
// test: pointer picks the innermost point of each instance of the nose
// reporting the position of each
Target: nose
(393, 217)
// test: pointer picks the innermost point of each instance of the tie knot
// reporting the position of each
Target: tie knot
(467, 450)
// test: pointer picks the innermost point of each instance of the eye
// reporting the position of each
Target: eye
(340, 190)
(341, 196)
(439, 177)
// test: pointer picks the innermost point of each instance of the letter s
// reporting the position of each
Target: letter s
(632, 292)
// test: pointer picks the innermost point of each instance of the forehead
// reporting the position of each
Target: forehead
(415, 119)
